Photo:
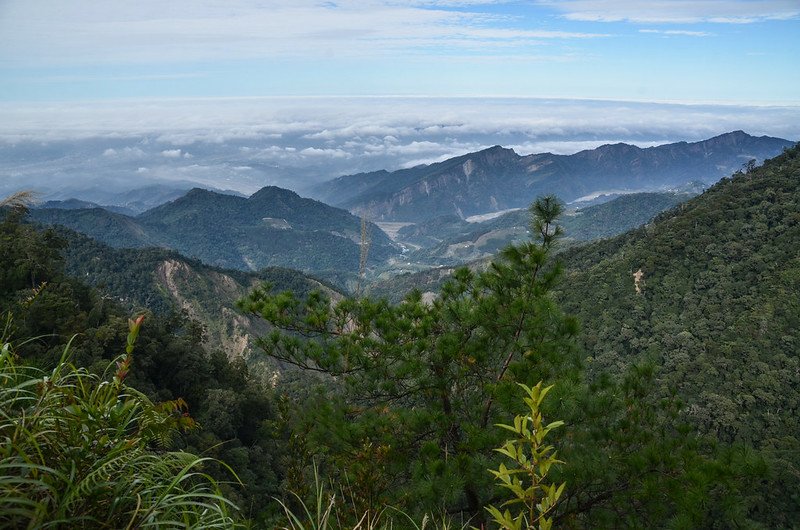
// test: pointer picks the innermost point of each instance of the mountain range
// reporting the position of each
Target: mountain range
(276, 227)
(273, 227)
(497, 178)
(685, 333)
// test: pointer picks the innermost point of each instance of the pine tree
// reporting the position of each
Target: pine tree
(415, 388)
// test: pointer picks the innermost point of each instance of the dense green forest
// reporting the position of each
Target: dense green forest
(717, 315)
(406, 418)
(162, 281)
(718, 311)
(671, 352)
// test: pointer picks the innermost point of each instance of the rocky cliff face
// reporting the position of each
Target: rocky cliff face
(210, 297)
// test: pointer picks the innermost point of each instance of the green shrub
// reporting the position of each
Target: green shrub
(82, 451)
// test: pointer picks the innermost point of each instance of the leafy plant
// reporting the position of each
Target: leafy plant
(173, 363)
(81, 451)
(527, 479)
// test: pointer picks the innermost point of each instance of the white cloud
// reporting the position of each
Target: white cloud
(171, 153)
(218, 135)
(125, 153)
(676, 11)
(88, 31)
(566, 147)
(325, 153)
(316, 122)
(679, 32)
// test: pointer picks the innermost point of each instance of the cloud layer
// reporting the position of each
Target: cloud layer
(244, 144)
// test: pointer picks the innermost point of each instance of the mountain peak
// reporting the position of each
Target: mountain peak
(737, 133)
(273, 192)
(494, 154)
(199, 192)
(617, 147)
(497, 149)
(729, 138)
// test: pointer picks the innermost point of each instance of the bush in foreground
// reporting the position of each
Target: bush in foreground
(82, 451)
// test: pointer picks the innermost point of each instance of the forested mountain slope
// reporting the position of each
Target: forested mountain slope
(273, 227)
(78, 204)
(115, 229)
(718, 302)
(710, 292)
(162, 281)
(496, 179)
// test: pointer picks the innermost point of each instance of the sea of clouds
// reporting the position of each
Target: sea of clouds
(96, 149)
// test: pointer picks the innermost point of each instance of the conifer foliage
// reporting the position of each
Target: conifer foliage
(415, 388)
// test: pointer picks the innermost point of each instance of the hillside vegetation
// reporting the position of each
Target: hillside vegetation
(718, 310)
(162, 281)
(716, 313)
(43, 309)
(414, 387)
(87, 451)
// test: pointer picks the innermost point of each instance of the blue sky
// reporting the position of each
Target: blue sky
(723, 51)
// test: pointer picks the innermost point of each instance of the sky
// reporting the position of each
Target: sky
(733, 51)
(282, 90)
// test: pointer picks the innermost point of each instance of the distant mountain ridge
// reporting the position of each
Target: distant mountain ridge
(498, 178)
(78, 204)
(272, 227)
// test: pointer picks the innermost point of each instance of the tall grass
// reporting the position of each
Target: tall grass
(326, 512)
(82, 451)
